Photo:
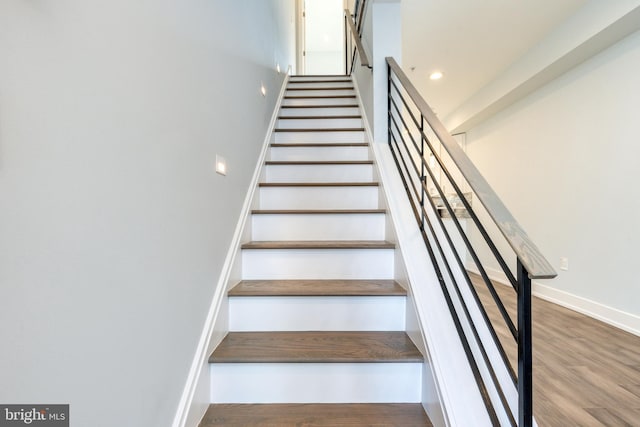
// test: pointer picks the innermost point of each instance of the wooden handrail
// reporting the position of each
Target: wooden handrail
(525, 250)
(364, 60)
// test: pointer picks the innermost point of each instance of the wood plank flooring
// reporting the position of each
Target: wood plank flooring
(586, 373)
(317, 415)
(316, 347)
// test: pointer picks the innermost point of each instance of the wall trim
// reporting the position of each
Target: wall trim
(365, 119)
(200, 360)
(612, 316)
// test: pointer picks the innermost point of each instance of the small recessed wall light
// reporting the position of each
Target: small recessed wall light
(278, 67)
(221, 165)
(263, 90)
(436, 75)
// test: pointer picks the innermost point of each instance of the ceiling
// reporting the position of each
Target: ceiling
(471, 42)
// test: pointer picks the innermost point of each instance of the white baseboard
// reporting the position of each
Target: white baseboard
(612, 316)
(188, 410)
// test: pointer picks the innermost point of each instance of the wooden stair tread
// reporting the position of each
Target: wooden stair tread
(302, 76)
(353, 116)
(292, 81)
(316, 415)
(316, 211)
(318, 244)
(317, 162)
(318, 184)
(320, 78)
(318, 96)
(317, 288)
(314, 79)
(321, 88)
(319, 144)
(321, 106)
(319, 130)
(316, 347)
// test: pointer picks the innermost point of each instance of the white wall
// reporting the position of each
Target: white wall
(113, 224)
(324, 37)
(381, 33)
(363, 76)
(565, 161)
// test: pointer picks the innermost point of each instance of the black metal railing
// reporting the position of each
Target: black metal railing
(430, 160)
(353, 38)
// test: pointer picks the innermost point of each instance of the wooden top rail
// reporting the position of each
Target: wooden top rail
(527, 252)
(364, 60)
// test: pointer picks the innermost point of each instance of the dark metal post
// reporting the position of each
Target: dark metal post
(423, 176)
(346, 49)
(525, 353)
(389, 105)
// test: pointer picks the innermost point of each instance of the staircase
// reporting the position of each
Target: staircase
(317, 325)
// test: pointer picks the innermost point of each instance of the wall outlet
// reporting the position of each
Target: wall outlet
(564, 263)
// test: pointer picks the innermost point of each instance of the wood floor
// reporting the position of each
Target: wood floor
(586, 373)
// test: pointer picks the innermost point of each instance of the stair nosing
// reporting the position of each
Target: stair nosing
(343, 117)
(318, 244)
(319, 96)
(318, 184)
(301, 76)
(321, 106)
(317, 211)
(317, 162)
(320, 353)
(294, 130)
(312, 79)
(321, 88)
(318, 144)
(319, 288)
(299, 414)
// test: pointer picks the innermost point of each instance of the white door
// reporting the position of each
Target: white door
(324, 37)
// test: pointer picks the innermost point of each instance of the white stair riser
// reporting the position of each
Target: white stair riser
(318, 78)
(324, 92)
(319, 101)
(301, 137)
(318, 123)
(318, 153)
(316, 382)
(319, 173)
(291, 264)
(342, 111)
(318, 226)
(316, 84)
(318, 197)
(316, 313)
